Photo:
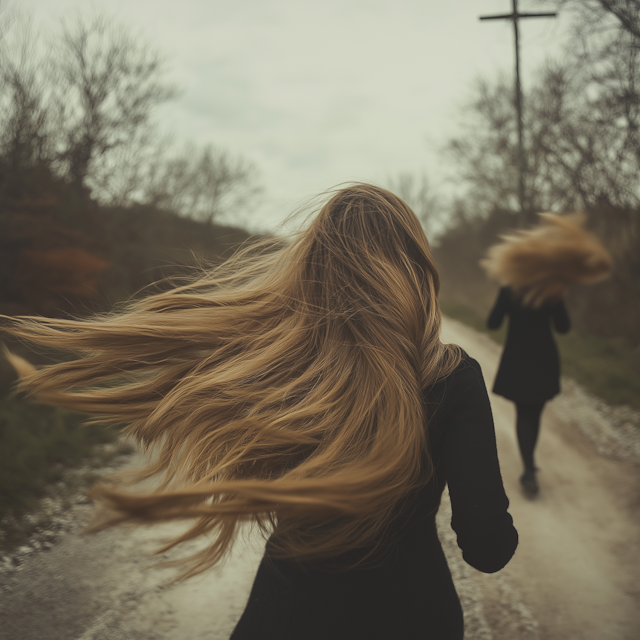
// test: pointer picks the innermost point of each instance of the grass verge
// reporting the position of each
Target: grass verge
(37, 445)
(607, 367)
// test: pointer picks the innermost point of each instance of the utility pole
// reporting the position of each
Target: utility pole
(515, 16)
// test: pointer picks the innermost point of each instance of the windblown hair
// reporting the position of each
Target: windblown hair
(539, 263)
(283, 388)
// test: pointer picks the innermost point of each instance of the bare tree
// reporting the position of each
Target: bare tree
(598, 16)
(205, 184)
(605, 55)
(108, 84)
(582, 144)
(86, 115)
(484, 153)
(582, 134)
(123, 175)
(26, 123)
(589, 148)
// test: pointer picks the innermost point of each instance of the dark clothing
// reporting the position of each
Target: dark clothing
(527, 428)
(530, 366)
(404, 591)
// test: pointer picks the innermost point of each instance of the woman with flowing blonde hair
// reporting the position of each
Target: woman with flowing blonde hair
(535, 267)
(303, 387)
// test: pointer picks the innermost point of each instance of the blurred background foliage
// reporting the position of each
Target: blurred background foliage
(95, 206)
(582, 144)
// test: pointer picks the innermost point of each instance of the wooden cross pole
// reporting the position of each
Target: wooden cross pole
(515, 16)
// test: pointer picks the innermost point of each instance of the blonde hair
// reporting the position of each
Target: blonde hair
(283, 388)
(539, 263)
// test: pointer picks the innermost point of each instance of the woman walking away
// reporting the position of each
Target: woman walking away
(304, 389)
(535, 267)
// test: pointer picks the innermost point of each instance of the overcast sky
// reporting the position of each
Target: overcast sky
(319, 92)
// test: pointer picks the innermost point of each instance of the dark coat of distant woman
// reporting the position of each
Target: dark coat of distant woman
(530, 366)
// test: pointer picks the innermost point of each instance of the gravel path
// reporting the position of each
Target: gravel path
(574, 576)
(575, 573)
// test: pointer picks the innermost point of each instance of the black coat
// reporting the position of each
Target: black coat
(530, 366)
(405, 590)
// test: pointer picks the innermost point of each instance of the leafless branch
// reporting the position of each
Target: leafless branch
(109, 83)
(26, 123)
(205, 184)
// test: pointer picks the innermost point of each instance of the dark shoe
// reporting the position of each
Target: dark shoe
(529, 484)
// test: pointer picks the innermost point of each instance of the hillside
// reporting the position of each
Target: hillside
(62, 256)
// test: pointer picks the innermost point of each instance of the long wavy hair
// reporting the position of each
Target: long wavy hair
(539, 263)
(284, 387)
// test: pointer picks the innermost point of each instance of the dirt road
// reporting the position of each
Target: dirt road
(576, 572)
(575, 575)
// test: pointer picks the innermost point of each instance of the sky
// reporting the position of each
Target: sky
(318, 93)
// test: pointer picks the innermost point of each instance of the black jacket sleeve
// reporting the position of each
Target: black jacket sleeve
(479, 504)
(500, 309)
(561, 321)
